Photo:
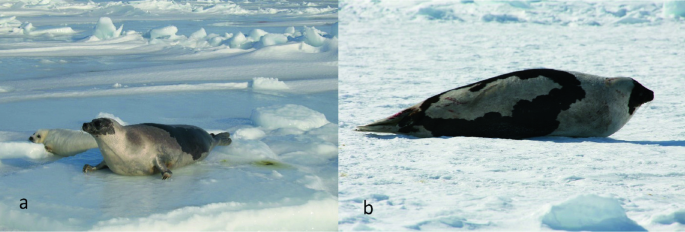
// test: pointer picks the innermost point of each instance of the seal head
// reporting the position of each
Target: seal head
(640, 95)
(99, 126)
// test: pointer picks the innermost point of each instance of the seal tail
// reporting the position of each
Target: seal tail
(222, 139)
(387, 125)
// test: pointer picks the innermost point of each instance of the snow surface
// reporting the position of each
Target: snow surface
(65, 62)
(395, 54)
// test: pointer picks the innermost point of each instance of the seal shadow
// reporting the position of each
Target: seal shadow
(555, 139)
(667, 143)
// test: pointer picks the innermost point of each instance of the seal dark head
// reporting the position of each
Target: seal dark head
(99, 126)
(638, 96)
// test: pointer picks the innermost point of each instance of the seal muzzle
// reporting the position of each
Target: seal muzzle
(99, 126)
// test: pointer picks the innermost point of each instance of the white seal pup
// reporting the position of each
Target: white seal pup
(523, 104)
(148, 148)
(63, 142)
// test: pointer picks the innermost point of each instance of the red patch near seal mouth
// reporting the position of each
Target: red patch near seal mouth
(396, 115)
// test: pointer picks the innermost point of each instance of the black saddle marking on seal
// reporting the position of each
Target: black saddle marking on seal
(638, 96)
(537, 117)
(190, 138)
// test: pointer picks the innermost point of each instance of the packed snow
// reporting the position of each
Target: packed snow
(395, 54)
(66, 62)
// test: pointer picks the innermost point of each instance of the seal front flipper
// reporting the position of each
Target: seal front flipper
(166, 173)
(87, 168)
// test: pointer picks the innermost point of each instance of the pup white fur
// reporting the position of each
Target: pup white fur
(64, 142)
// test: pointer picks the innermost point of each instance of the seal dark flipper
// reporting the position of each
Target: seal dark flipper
(388, 125)
(222, 139)
(87, 168)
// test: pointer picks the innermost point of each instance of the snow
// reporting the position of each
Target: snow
(392, 57)
(67, 62)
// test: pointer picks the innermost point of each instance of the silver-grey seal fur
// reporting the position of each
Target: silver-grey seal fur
(524, 104)
(148, 148)
(64, 142)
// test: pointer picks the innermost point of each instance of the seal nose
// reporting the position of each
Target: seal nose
(31, 138)
(85, 127)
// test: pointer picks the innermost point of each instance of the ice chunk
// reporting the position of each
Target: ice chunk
(10, 150)
(288, 116)
(249, 133)
(105, 29)
(273, 39)
(239, 41)
(198, 34)
(256, 34)
(108, 115)
(675, 217)
(289, 31)
(168, 32)
(674, 8)
(242, 151)
(589, 212)
(312, 37)
(268, 83)
(27, 28)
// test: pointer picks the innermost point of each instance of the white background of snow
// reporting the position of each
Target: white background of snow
(56, 74)
(391, 59)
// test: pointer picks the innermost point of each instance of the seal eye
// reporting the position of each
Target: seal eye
(38, 136)
(97, 123)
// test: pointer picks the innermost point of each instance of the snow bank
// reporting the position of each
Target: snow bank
(264, 83)
(314, 215)
(288, 116)
(589, 212)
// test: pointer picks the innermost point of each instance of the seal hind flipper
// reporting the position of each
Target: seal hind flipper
(166, 173)
(222, 139)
